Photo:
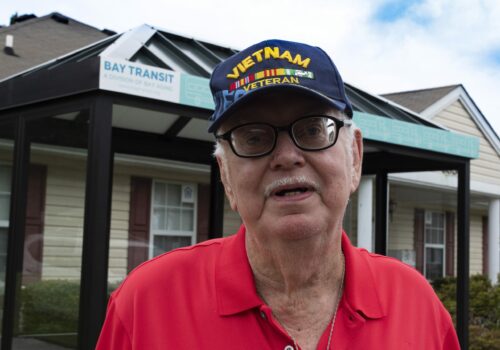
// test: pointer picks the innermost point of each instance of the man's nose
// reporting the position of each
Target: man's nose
(286, 154)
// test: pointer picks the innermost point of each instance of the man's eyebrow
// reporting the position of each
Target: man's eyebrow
(235, 122)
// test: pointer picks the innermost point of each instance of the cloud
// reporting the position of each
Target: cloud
(425, 44)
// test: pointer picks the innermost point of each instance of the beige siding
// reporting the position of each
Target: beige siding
(476, 244)
(232, 220)
(401, 227)
(64, 208)
(118, 247)
(350, 222)
(162, 174)
(486, 168)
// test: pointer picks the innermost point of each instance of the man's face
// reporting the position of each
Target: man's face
(290, 193)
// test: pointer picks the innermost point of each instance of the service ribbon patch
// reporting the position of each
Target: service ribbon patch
(277, 72)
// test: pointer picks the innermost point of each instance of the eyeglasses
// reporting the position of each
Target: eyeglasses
(309, 133)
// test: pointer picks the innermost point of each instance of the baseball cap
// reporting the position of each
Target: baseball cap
(275, 64)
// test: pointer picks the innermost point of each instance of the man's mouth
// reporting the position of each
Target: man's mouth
(291, 192)
(291, 186)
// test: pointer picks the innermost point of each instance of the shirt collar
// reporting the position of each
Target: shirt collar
(235, 286)
(234, 283)
(360, 289)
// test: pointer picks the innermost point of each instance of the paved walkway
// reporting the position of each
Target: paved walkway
(33, 344)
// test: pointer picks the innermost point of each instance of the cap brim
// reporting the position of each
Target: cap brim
(253, 94)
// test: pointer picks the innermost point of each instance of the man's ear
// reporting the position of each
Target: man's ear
(357, 159)
(224, 176)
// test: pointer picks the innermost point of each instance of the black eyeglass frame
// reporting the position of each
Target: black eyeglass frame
(338, 125)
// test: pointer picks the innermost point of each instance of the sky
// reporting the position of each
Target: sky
(380, 46)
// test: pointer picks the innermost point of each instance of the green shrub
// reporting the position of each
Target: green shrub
(484, 309)
(481, 338)
(50, 307)
(49, 311)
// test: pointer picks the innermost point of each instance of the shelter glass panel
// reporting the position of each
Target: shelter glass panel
(155, 208)
(48, 300)
(160, 200)
(6, 166)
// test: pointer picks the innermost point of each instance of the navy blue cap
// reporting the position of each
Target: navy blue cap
(275, 64)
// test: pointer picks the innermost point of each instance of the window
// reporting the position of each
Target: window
(4, 216)
(434, 249)
(4, 195)
(173, 222)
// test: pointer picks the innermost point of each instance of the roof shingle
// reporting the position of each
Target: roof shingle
(41, 39)
(419, 100)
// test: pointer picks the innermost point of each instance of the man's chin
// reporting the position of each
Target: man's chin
(296, 226)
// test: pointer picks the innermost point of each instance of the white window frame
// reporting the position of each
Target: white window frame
(434, 245)
(153, 232)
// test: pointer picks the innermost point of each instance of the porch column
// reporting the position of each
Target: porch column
(216, 221)
(463, 254)
(381, 213)
(494, 240)
(365, 210)
(96, 228)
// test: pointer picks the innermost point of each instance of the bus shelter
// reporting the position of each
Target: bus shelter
(141, 100)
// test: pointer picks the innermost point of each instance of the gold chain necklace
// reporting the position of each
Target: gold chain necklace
(339, 296)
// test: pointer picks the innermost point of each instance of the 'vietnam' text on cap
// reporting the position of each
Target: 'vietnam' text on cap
(275, 64)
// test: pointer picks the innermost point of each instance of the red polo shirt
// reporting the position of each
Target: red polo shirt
(204, 297)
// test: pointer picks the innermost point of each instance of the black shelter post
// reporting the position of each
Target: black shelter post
(93, 289)
(216, 201)
(381, 213)
(15, 243)
(463, 254)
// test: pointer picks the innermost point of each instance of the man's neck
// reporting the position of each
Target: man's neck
(300, 281)
(298, 266)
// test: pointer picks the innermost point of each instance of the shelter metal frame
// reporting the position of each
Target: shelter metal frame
(103, 142)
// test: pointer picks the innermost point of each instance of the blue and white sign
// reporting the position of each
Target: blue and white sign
(139, 80)
(166, 85)
(153, 82)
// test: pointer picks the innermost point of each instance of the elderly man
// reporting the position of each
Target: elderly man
(289, 157)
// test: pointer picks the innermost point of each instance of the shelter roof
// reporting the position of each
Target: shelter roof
(156, 52)
(156, 47)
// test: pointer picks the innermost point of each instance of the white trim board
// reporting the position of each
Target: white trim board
(447, 182)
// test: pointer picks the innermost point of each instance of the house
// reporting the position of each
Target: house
(105, 162)
(428, 199)
(30, 40)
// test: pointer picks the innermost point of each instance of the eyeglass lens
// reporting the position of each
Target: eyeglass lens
(312, 133)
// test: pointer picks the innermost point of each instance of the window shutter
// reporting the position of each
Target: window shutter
(139, 221)
(35, 212)
(485, 245)
(418, 235)
(203, 212)
(450, 243)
